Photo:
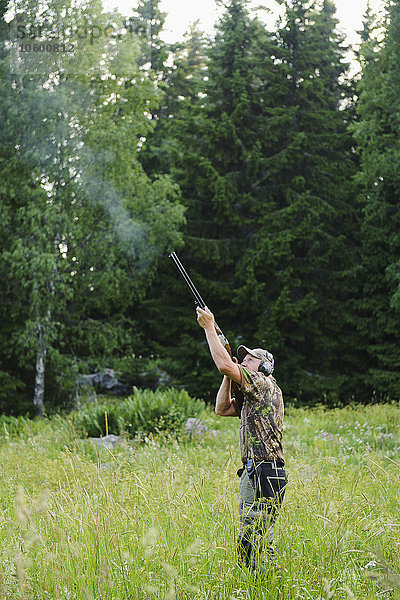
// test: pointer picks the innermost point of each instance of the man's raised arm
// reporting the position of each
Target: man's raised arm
(220, 356)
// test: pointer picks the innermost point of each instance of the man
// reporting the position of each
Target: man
(263, 477)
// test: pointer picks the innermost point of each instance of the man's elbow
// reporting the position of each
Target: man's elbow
(226, 411)
(225, 369)
(219, 411)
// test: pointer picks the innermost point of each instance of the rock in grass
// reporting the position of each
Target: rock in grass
(325, 436)
(103, 382)
(195, 427)
(107, 441)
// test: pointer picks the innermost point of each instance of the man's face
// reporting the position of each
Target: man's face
(251, 362)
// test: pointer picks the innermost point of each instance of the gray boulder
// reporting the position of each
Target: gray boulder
(195, 427)
(108, 441)
(103, 382)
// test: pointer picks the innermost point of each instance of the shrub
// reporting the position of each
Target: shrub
(12, 426)
(145, 411)
(91, 419)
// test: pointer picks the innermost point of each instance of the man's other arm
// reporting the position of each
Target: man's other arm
(224, 406)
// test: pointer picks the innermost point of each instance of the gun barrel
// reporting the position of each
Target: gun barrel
(198, 299)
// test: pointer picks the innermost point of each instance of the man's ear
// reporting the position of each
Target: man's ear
(265, 368)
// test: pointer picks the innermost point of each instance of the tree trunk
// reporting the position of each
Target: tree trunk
(38, 398)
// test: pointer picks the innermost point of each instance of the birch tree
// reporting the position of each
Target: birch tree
(84, 221)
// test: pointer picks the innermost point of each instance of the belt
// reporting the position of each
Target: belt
(250, 467)
(273, 464)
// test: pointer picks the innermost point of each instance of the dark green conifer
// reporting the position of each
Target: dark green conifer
(302, 242)
(147, 22)
(219, 161)
(378, 132)
(265, 168)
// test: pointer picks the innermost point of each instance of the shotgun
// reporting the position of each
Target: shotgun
(198, 300)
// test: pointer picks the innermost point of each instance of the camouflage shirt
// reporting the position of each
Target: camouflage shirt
(261, 418)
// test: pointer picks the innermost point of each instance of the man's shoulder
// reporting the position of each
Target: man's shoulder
(251, 375)
(256, 381)
(273, 381)
(276, 396)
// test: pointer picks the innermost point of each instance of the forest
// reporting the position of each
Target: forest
(261, 155)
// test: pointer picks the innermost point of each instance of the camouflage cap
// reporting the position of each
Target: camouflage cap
(259, 353)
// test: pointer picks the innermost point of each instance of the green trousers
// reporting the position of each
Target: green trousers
(257, 518)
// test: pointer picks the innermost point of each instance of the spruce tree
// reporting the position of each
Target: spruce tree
(299, 251)
(218, 161)
(147, 22)
(183, 85)
(265, 167)
(377, 133)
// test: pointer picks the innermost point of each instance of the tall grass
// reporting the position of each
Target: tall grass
(158, 519)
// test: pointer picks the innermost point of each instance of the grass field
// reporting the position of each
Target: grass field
(157, 519)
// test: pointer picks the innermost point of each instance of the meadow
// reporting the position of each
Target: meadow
(156, 517)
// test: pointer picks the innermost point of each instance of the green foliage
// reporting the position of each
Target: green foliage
(148, 22)
(239, 152)
(160, 520)
(377, 132)
(143, 412)
(296, 270)
(82, 225)
(14, 426)
(264, 162)
(183, 84)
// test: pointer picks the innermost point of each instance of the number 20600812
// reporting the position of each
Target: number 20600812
(46, 47)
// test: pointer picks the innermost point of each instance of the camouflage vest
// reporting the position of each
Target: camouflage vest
(261, 417)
